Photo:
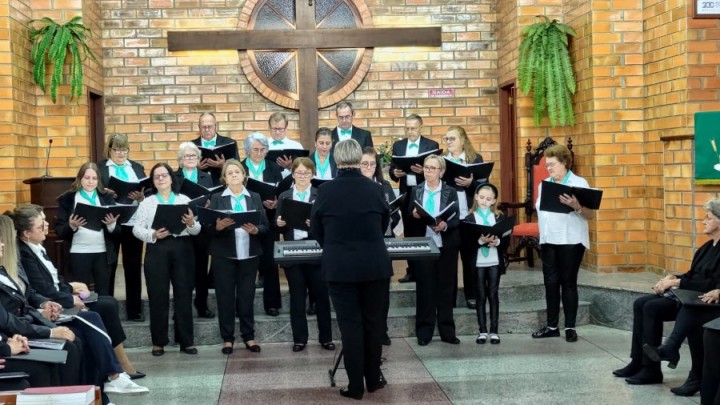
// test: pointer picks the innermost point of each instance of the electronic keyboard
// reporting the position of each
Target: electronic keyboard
(309, 251)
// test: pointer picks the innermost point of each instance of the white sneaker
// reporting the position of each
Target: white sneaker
(124, 385)
(481, 339)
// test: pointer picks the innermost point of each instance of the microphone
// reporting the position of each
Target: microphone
(47, 159)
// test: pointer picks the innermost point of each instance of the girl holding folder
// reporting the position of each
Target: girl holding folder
(304, 277)
(322, 157)
(235, 251)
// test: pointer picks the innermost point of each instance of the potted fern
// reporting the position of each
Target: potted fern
(544, 67)
(51, 44)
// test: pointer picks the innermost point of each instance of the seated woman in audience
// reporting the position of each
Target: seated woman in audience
(304, 277)
(45, 280)
(188, 158)
(39, 374)
(168, 261)
(325, 168)
(91, 251)
(235, 255)
(710, 390)
(650, 311)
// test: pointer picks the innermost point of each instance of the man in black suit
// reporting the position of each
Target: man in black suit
(345, 129)
(414, 144)
(209, 138)
(349, 219)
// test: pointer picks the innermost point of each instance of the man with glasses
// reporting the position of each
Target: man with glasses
(278, 130)
(209, 138)
(345, 129)
(413, 145)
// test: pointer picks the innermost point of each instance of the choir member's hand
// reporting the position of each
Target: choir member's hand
(62, 332)
(270, 204)
(488, 240)
(441, 226)
(280, 222)
(207, 203)
(189, 219)
(76, 222)
(79, 287)
(307, 222)
(110, 219)
(18, 344)
(221, 224)
(218, 162)
(415, 214)
(137, 195)
(251, 229)
(417, 168)
(284, 161)
(398, 173)
(464, 181)
(711, 296)
(112, 192)
(203, 165)
(571, 201)
(161, 233)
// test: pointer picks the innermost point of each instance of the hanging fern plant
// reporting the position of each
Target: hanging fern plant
(51, 44)
(545, 68)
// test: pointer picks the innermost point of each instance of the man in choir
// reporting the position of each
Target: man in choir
(413, 145)
(349, 219)
(278, 130)
(209, 138)
(345, 128)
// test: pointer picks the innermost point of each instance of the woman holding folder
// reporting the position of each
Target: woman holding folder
(370, 167)
(322, 157)
(91, 249)
(168, 260)
(436, 279)
(235, 250)
(563, 240)
(304, 277)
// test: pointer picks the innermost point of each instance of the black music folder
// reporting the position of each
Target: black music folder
(226, 151)
(296, 213)
(48, 343)
(550, 197)
(122, 188)
(500, 229)
(284, 185)
(169, 216)
(714, 324)
(193, 190)
(125, 211)
(318, 182)
(690, 297)
(207, 216)
(92, 297)
(293, 154)
(405, 162)
(477, 170)
(427, 219)
(13, 375)
(42, 355)
(397, 203)
(93, 214)
(196, 203)
(267, 191)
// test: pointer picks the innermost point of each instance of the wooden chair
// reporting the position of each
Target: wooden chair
(526, 235)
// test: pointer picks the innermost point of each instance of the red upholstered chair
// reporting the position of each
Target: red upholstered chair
(526, 234)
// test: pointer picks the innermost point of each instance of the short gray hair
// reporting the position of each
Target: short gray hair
(347, 153)
(439, 159)
(181, 151)
(344, 104)
(713, 206)
(252, 137)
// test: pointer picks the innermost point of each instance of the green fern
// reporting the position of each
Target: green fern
(545, 69)
(51, 44)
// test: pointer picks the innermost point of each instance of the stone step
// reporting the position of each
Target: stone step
(515, 317)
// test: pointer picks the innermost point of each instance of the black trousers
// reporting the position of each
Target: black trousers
(649, 313)
(361, 319)
(108, 309)
(561, 264)
(93, 270)
(132, 248)
(41, 374)
(710, 393)
(411, 228)
(487, 290)
(235, 294)
(170, 261)
(269, 269)
(435, 281)
(470, 280)
(203, 275)
(303, 278)
(100, 360)
(689, 324)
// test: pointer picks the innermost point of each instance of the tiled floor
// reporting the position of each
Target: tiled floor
(518, 371)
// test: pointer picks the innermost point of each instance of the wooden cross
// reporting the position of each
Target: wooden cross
(307, 40)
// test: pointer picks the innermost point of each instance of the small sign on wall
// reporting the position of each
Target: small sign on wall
(706, 9)
(441, 93)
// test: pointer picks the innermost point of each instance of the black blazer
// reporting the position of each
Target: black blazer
(204, 179)
(389, 196)
(362, 136)
(504, 242)
(17, 310)
(41, 280)
(451, 236)
(333, 166)
(399, 148)
(219, 141)
(288, 195)
(105, 171)
(66, 205)
(222, 243)
(349, 219)
(271, 174)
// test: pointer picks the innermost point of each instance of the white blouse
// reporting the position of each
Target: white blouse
(563, 229)
(146, 213)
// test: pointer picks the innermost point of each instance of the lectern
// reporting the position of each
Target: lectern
(44, 192)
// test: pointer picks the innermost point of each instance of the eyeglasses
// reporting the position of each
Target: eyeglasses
(258, 150)
(161, 176)
(550, 165)
(120, 150)
(190, 157)
(368, 165)
(449, 139)
(207, 127)
(303, 174)
(430, 168)
(278, 129)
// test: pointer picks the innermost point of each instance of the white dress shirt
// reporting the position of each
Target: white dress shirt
(411, 178)
(242, 238)
(428, 230)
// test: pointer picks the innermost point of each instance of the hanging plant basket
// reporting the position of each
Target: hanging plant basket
(51, 44)
(545, 68)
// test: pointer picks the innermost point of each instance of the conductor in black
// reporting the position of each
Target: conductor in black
(349, 219)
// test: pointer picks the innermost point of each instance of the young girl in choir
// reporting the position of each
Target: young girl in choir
(488, 261)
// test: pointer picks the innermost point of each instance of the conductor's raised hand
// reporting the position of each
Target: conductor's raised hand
(221, 224)
(76, 222)
(161, 233)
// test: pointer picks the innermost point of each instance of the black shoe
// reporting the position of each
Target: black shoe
(452, 341)
(298, 347)
(189, 350)
(663, 353)
(311, 309)
(646, 376)
(546, 332)
(259, 284)
(227, 350)
(350, 394)
(382, 382)
(207, 314)
(158, 352)
(254, 348)
(407, 279)
(628, 371)
(423, 342)
(136, 375)
(272, 312)
(690, 387)
(386, 340)
(328, 345)
(570, 335)
(136, 318)
(471, 304)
